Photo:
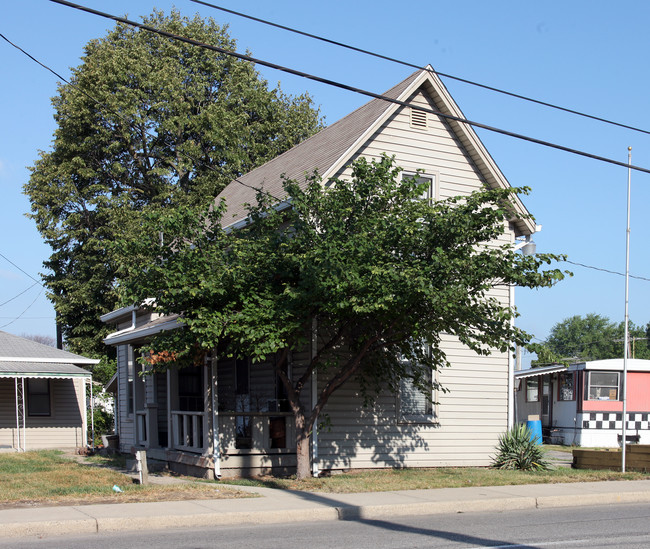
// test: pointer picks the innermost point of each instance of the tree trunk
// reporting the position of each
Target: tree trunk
(303, 461)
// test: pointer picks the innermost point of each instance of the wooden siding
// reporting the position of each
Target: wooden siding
(474, 412)
(62, 429)
(127, 421)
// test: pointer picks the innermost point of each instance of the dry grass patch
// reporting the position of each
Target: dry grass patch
(49, 478)
(384, 480)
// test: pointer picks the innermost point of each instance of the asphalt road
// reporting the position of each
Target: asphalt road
(626, 525)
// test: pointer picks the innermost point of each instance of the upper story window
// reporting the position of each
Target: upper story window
(603, 385)
(429, 191)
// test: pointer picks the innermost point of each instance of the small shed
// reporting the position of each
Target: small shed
(582, 404)
(42, 395)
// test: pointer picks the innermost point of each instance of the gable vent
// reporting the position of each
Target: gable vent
(418, 119)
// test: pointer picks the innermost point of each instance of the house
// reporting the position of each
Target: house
(42, 395)
(582, 404)
(226, 418)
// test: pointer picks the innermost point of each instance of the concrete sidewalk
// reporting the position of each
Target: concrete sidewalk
(279, 506)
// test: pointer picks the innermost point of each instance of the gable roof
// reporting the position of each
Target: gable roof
(23, 357)
(329, 150)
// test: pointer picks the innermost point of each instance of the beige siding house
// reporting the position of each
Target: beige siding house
(228, 418)
(42, 396)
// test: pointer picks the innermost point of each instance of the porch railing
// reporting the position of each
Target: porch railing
(187, 431)
(256, 431)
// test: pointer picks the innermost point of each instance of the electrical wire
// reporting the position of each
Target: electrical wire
(18, 295)
(21, 270)
(412, 65)
(605, 270)
(347, 87)
(21, 314)
(127, 121)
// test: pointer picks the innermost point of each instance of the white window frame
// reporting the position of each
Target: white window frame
(430, 414)
(617, 386)
(537, 386)
(434, 177)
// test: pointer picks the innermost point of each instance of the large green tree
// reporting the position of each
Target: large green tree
(590, 337)
(383, 273)
(146, 123)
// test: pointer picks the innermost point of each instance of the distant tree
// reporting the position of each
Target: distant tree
(42, 339)
(592, 337)
(146, 123)
(384, 273)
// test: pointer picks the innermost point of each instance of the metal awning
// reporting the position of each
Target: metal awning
(533, 372)
(9, 369)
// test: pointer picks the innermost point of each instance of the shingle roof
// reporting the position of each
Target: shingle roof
(328, 150)
(24, 356)
(319, 152)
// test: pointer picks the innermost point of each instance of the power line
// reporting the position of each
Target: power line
(605, 270)
(412, 65)
(127, 121)
(18, 295)
(21, 314)
(21, 270)
(352, 88)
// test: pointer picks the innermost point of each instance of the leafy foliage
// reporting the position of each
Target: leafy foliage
(146, 123)
(384, 273)
(592, 337)
(518, 450)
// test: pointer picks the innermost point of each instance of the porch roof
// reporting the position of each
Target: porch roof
(51, 370)
(131, 334)
(532, 372)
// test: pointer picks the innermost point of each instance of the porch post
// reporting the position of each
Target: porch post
(18, 414)
(151, 408)
(92, 413)
(216, 448)
(84, 414)
(205, 424)
(170, 427)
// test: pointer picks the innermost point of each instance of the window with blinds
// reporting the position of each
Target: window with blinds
(414, 405)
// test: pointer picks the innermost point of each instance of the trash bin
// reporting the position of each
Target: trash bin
(535, 427)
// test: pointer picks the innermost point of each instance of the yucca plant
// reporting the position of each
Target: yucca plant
(518, 450)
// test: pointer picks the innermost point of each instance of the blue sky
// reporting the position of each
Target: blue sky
(584, 55)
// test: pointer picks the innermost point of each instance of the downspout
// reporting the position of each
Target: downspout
(314, 397)
(216, 450)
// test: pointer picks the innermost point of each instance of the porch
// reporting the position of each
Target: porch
(193, 421)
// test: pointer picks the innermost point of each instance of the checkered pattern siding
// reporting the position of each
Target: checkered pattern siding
(614, 420)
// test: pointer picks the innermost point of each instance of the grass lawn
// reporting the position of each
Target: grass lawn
(48, 477)
(445, 477)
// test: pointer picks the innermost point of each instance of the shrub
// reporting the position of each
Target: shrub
(517, 450)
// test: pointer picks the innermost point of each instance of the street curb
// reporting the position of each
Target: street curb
(435, 508)
(49, 528)
(98, 525)
(550, 502)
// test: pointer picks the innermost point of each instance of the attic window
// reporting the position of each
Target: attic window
(418, 119)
